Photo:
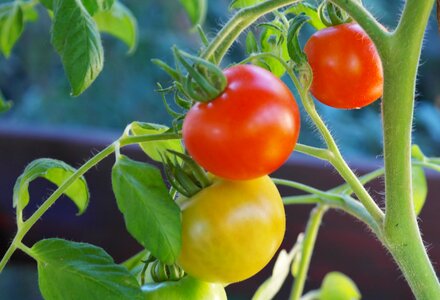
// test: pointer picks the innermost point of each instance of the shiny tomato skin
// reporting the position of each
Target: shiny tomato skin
(231, 229)
(347, 70)
(249, 130)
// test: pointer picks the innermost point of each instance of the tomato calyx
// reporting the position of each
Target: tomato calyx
(184, 174)
(160, 272)
(205, 81)
(332, 15)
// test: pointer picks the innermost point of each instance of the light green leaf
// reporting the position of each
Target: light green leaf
(272, 285)
(273, 41)
(95, 6)
(5, 105)
(196, 10)
(337, 286)
(119, 22)
(11, 26)
(417, 153)
(154, 149)
(420, 188)
(76, 38)
(30, 13)
(71, 271)
(310, 11)
(56, 172)
(151, 216)
(237, 4)
(251, 43)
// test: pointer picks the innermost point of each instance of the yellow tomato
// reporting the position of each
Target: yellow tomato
(231, 229)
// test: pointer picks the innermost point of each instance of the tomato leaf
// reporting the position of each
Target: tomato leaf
(70, 271)
(237, 4)
(151, 216)
(155, 149)
(196, 10)
(30, 13)
(273, 41)
(11, 26)
(76, 38)
(251, 43)
(119, 22)
(5, 105)
(420, 188)
(56, 172)
(94, 6)
(337, 286)
(310, 11)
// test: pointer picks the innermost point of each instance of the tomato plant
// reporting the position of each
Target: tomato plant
(185, 288)
(231, 229)
(347, 71)
(249, 130)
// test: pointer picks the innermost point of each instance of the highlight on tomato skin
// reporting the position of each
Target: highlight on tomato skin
(231, 229)
(249, 130)
(347, 70)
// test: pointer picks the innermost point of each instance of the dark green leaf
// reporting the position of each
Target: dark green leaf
(337, 286)
(295, 51)
(196, 10)
(309, 11)
(11, 26)
(119, 22)
(237, 4)
(71, 271)
(151, 216)
(155, 149)
(76, 38)
(420, 188)
(56, 172)
(5, 105)
(47, 3)
(94, 6)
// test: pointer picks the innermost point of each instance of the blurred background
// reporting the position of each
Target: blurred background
(34, 79)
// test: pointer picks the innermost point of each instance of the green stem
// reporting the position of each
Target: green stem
(402, 233)
(237, 24)
(307, 250)
(29, 223)
(306, 188)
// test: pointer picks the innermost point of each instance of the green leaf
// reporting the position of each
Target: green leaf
(237, 4)
(76, 38)
(47, 3)
(420, 188)
(154, 149)
(30, 13)
(310, 11)
(196, 10)
(119, 22)
(251, 43)
(56, 172)
(417, 153)
(94, 6)
(11, 26)
(337, 286)
(71, 271)
(151, 216)
(5, 105)
(273, 41)
(272, 285)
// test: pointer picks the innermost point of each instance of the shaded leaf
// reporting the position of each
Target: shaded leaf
(337, 286)
(11, 26)
(420, 188)
(196, 10)
(56, 172)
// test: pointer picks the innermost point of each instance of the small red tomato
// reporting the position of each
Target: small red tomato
(249, 130)
(347, 70)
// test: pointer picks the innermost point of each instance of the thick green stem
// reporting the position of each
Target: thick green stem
(307, 251)
(402, 234)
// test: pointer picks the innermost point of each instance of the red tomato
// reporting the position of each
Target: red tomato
(347, 71)
(249, 130)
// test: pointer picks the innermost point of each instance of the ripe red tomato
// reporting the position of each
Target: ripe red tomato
(249, 130)
(231, 229)
(347, 71)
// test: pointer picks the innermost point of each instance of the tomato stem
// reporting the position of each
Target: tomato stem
(310, 236)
